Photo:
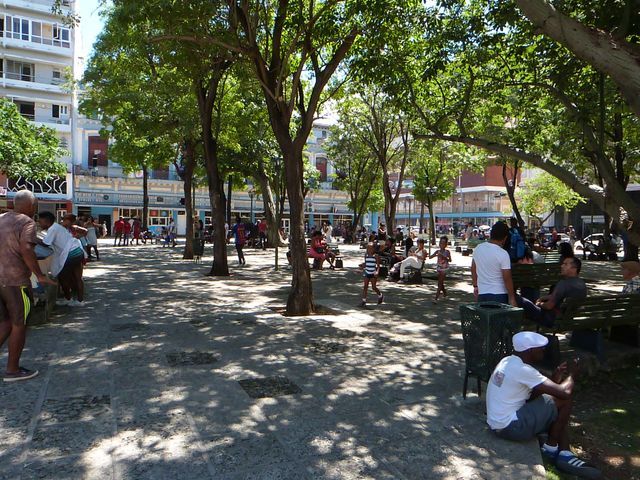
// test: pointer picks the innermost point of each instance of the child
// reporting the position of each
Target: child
(444, 258)
(371, 270)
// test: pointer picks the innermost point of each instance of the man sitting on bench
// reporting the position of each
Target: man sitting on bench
(414, 260)
(523, 403)
(545, 310)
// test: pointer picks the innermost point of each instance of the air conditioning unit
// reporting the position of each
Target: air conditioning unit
(105, 197)
(159, 200)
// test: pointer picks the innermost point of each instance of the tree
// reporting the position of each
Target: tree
(489, 82)
(607, 51)
(147, 107)
(295, 48)
(434, 168)
(358, 171)
(27, 150)
(544, 194)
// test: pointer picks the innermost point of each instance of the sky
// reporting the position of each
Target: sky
(90, 25)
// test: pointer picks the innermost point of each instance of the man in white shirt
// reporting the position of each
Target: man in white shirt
(523, 403)
(491, 269)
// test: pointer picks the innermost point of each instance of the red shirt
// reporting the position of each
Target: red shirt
(119, 226)
(262, 227)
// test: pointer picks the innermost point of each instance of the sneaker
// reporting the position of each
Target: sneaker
(76, 303)
(22, 374)
(574, 466)
(380, 299)
(63, 302)
(363, 303)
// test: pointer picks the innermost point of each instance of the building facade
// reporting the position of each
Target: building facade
(37, 53)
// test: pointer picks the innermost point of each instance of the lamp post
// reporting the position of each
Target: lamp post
(277, 166)
(251, 193)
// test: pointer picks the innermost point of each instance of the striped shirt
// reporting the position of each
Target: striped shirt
(370, 264)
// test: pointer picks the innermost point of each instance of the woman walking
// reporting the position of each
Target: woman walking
(442, 265)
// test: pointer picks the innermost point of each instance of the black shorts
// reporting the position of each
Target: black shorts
(370, 275)
(15, 304)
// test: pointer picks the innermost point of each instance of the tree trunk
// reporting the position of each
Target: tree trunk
(421, 217)
(390, 201)
(613, 56)
(206, 101)
(300, 301)
(187, 178)
(145, 197)
(273, 229)
(228, 202)
(432, 221)
(511, 190)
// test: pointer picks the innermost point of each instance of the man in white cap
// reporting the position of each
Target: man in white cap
(523, 403)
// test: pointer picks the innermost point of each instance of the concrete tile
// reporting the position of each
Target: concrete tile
(248, 450)
(71, 409)
(71, 439)
(69, 468)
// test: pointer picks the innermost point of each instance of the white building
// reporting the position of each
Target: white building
(37, 55)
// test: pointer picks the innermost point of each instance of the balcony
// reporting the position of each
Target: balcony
(117, 172)
(43, 6)
(32, 82)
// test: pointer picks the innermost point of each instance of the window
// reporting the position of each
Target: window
(56, 77)
(36, 32)
(58, 111)
(321, 165)
(27, 109)
(20, 71)
(61, 36)
(1, 27)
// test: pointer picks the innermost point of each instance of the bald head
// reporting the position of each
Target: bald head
(25, 202)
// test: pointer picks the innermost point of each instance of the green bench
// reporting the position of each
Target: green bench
(41, 312)
(537, 275)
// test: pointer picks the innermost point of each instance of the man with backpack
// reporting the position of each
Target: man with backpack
(517, 245)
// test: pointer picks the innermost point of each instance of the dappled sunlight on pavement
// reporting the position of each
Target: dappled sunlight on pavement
(170, 373)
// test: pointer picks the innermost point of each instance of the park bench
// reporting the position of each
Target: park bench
(46, 302)
(551, 257)
(537, 275)
(620, 314)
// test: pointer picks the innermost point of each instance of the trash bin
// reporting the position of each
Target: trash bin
(487, 328)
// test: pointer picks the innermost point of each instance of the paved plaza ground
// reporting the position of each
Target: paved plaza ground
(155, 378)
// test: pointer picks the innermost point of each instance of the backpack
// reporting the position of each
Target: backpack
(517, 245)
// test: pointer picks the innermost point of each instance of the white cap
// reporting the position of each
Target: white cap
(525, 340)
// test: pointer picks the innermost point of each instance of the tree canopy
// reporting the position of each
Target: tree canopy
(28, 150)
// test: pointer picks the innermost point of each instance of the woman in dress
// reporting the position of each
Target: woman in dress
(93, 230)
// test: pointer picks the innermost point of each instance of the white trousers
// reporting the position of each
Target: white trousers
(409, 262)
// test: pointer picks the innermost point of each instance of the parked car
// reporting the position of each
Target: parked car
(563, 238)
(592, 241)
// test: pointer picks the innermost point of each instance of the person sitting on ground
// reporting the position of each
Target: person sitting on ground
(545, 310)
(319, 252)
(522, 403)
(371, 268)
(491, 268)
(415, 259)
(631, 274)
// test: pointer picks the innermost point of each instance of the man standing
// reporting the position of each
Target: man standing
(118, 231)
(523, 403)
(262, 232)
(18, 260)
(239, 232)
(547, 307)
(491, 268)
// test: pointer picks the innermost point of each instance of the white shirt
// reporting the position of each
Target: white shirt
(328, 232)
(509, 388)
(490, 260)
(62, 243)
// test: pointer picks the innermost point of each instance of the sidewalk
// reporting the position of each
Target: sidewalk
(156, 378)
